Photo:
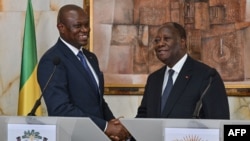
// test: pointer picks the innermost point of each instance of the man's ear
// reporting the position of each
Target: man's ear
(183, 43)
(60, 27)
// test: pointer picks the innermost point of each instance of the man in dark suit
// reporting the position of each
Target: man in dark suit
(72, 92)
(191, 82)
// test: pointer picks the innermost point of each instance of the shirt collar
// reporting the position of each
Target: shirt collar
(72, 48)
(177, 67)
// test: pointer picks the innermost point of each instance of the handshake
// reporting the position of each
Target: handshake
(116, 131)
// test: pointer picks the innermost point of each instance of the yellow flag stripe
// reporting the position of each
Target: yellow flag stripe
(28, 94)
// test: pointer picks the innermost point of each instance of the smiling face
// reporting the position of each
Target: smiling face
(73, 26)
(169, 45)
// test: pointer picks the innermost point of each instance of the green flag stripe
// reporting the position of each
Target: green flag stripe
(29, 54)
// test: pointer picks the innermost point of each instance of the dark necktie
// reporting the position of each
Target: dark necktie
(167, 89)
(86, 67)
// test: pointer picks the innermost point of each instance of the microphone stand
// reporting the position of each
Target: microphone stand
(56, 61)
(37, 104)
(198, 106)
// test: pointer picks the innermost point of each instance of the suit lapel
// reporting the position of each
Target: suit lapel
(94, 63)
(158, 91)
(179, 86)
(74, 60)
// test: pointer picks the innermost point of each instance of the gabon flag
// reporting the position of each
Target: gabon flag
(29, 90)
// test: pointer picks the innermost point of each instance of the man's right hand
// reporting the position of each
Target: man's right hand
(116, 131)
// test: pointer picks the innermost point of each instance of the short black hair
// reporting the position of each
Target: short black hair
(66, 8)
(180, 29)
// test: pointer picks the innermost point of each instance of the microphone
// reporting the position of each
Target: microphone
(198, 106)
(56, 61)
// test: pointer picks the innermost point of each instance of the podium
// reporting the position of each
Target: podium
(146, 129)
(67, 128)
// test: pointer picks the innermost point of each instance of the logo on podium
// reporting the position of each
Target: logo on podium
(30, 132)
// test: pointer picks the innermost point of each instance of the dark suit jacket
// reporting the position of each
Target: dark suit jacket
(69, 92)
(188, 87)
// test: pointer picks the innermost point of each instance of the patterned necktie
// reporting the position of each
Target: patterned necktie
(167, 89)
(86, 67)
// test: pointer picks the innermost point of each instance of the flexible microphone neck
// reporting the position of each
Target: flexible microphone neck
(198, 106)
(56, 61)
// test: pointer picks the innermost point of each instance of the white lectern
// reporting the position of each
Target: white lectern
(146, 129)
(67, 128)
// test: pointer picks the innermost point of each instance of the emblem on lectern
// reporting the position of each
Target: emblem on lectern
(190, 138)
(31, 135)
